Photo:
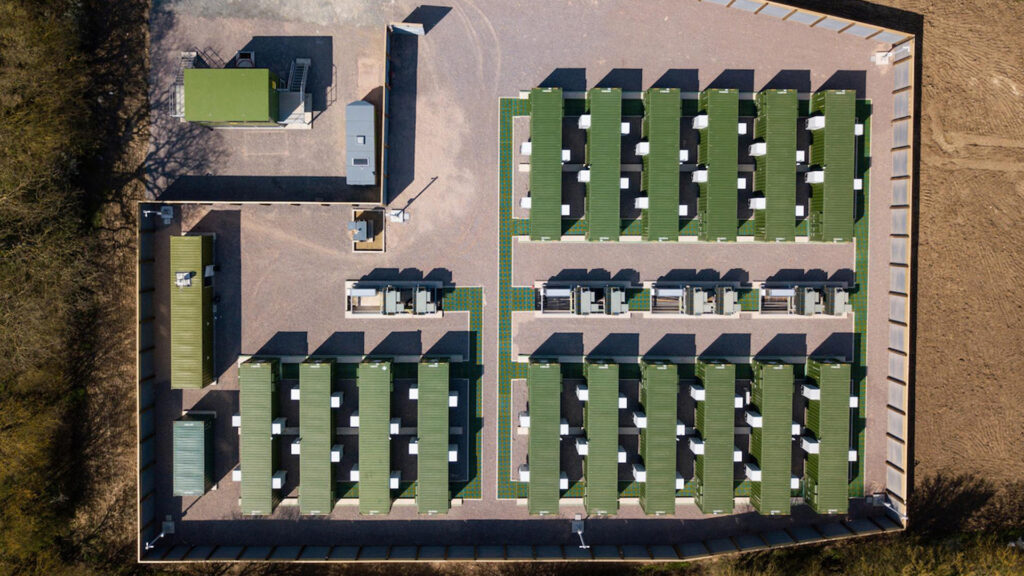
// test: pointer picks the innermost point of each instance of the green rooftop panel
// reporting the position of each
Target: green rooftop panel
(258, 453)
(718, 152)
(716, 422)
(772, 444)
(191, 312)
(604, 158)
(546, 110)
(374, 382)
(225, 96)
(316, 435)
(601, 423)
(544, 380)
(193, 454)
(775, 171)
(660, 177)
(826, 474)
(659, 396)
(833, 149)
(432, 493)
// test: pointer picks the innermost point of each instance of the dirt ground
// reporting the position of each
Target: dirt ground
(970, 330)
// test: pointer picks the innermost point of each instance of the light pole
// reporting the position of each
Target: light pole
(577, 528)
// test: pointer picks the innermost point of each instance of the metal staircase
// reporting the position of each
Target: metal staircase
(297, 75)
(176, 101)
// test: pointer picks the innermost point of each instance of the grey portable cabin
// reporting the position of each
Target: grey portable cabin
(360, 144)
(193, 454)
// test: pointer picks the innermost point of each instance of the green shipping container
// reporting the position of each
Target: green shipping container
(193, 454)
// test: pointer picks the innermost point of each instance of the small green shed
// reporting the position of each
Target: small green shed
(231, 96)
(193, 454)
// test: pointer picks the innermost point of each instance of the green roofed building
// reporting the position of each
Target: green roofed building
(316, 437)
(771, 443)
(193, 454)
(546, 109)
(826, 474)
(660, 176)
(833, 151)
(659, 396)
(257, 383)
(231, 96)
(775, 169)
(375, 387)
(718, 153)
(601, 423)
(716, 423)
(604, 160)
(544, 380)
(432, 493)
(191, 311)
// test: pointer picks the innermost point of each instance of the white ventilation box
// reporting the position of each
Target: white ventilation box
(278, 479)
(800, 210)
(815, 123)
(294, 393)
(566, 156)
(526, 148)
(277, 426)
(684, 156)
(684, 210)
(583, 176)
(796, 429)
(737, 455)
(757, 203)
(394, 426)
(853, 456)
(700, 176)
(641, 203)
(336, 399)
(453, 399)
(680, 428)
(640, 420)
(758, 149)
(858, 184)
(741, 183)
(622, 401)
(622, 455)
(565, 209)
(525, 202)
(738, 401)
(563, 481)
(696, 446)
(753, 419)
(584, 122)
(414, 392)
(639, 473)
(700, 122)
(814, 177)
(801, 156)
(236, 420)
(414, 446)
(582, 392)
(697, 392)
(752, 472)
(623, 183)
(794, 482)
(581, 446)
(453, 452)
(624, 128)
(395, 480)
(680, 481)
(236, 474)
(642, 148)
(524, 473)
(563, 427)
(854, 401)
(336, 451)
(741, 128)
(810, 392)
(296, 447)
(809, 445)
(353, 474)
(353, 420)
(858, 129)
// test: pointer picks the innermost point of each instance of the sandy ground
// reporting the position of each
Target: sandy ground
(970, 329)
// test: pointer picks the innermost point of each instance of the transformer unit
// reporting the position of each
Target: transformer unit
(808, 301)
(837, 301)
(697, 301)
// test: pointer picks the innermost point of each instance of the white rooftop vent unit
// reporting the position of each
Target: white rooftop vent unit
(353, 474)
(815, 123)
(526, 148)
(680, 428)
(641, 203)
(296, 447)
(639, 472)
(583, 176)
(809, 445)
(700, 122)
(815, 177)
(395, 480)
(182, 279)
(453, 452)
(581, 446)
(696, 446)
(757, 203)
(582, 392)
(525, 202)
(640, 420)
(858, 129)
(741, 128)
(524, 473)
(697, 392)
(684, 210)
(680, 482)
(453, 398)
(794, 482)
(394, 426)
(236, 474)
(563, 427)
(584, 122)
(566, 156)
(624, 128)
(753, 419)
(684, 155)
(737, 455)
(852, 456)
(643, 148)
(414, 446)
(294, 393)
(801, 155)
(858, 184)
(353, 420)
(741, 183)
(278, 480)
(623, 182)
(753, 473)
(563, 481)
(277, 426)
(758, 149)
(700, 176)
(414, 392)
(810, 392)
(336, 451)
(622, 455)
(622, 401)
